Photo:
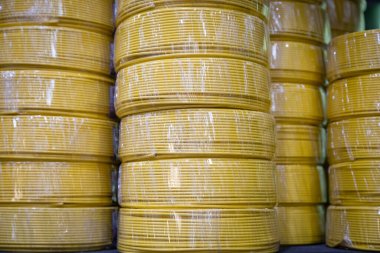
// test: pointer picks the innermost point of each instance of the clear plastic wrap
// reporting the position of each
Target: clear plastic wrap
(192, 82)
(197, 182)
(43, 229)
(353, 227)
(201, 230)
(197, 133)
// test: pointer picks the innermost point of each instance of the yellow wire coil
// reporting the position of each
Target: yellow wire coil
(355, 183)
(297, 103)
(354, 54)
(198, 230)
(297, 20)
(197, 133)
(218, 182)
(56, 138)
(300, 184)
(298, 62)
(301, 224)
(298, 144)
(192, 82)
(39, 229)
(352, 139)
(84, 14)
(354, 97)
(353, 227)
(191, 31)
(55, 183)
(128, 8)
(54, 92)
(54, 47)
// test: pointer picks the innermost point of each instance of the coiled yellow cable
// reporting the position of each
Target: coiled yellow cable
(297, 103)
(300, 184)
(218, 182)
(301, 224)
(54, 47)
(54, 92)
(298, 62)
(55, 183)
(352, 139)
(192, 82)
(202, 230)
(191, 31)
(355, 183)
(297, 20)
(39, 229)
(197, 133)
(353, 227)
(84, 14)
(55, 138)
(354, 54)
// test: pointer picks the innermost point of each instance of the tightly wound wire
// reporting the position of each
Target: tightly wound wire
(128, 8)
(354, 54)
(301, 224)
(297, 103)
(355, 183)
(193, 182)
(299, 62)
(55, 183)
(41, 229)
(198, 230)
(192, 82)
(352, 139)
(54, 47)
(55, 138)
(353, 227)
(300, 184)
(84, 14)
(197, 133)
(54, 92)
(296, 20)
(191, 31)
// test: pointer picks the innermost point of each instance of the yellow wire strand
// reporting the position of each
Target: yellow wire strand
(201, 230)
(197, 133)
(192, 82)
(353, 227)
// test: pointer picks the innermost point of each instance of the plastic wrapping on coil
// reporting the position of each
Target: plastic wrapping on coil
(197, 133)
(353, 227)
(199, 230)
(43, 229)
(197, 182)
(192, 82)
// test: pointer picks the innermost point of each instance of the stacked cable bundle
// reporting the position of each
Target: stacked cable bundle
(56, 141)
(196, 137)
(297, 32)
(353, 141)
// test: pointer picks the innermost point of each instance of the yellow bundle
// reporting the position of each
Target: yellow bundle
(297, 103)
(297, 62)
(56, 138)
(84, 14)
(182, 31)
(197, 133)
(192, 82)
(355, 183)
(198, 182)
(39, 229)
(301, 224)
(54, 92)
(198, 230)
(54, 47)
(352, 139)
(353, 227)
